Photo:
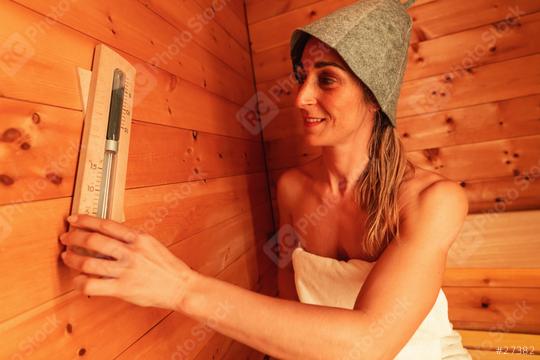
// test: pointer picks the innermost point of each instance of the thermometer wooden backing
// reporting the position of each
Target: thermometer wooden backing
(90, 180)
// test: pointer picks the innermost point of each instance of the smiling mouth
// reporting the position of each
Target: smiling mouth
(309, 122)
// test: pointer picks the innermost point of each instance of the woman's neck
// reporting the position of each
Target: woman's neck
(342, 165)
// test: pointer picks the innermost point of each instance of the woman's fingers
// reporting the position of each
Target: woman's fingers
(94, 266)
(96, 242)
(95, 287)
(104, 226)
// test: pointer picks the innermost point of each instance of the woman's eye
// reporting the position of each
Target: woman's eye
(326, 80)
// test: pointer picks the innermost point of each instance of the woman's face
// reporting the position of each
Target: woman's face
(328, 89)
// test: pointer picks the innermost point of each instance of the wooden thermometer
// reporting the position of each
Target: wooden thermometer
(102, 166)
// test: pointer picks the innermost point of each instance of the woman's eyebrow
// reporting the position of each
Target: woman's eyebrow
(321, 64)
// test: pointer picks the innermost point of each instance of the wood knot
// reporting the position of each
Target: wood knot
(431, 154)
(220, 155)
(516, 172)
(6, 180)
(10, 135)
(484, 302)
(312, 13)
(194, 134)
(36, 118)
(25, 146)
(406, 135)
(54, 178)
(449, 120)
(69, 328)
(81, 351)
(462, 183)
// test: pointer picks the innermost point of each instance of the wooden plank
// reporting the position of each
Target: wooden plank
(493, 355)
(39, 148)
(161, 211)
(188, 17)
(500, 158)
(86, 318)
(498, 239)
(118, 24)
(58, 85)
(230, 16)
(492, 277)
(261, 10)
(478, 46)
(490, 121)
(498, 309)
(160, 97)
(162, 155)
(442, 17)
(491, 340)
(462, 88)
(44, 167)
(485, 194)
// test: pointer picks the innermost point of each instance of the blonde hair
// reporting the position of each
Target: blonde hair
(376, 191)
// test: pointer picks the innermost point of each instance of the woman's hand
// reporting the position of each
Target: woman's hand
(137, 268)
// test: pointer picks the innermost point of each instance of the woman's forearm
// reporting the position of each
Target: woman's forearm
(281, 328)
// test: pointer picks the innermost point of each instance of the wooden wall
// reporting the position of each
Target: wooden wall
(470, 110)
(196, 176)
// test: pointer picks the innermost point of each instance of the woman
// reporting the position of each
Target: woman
(394, 223)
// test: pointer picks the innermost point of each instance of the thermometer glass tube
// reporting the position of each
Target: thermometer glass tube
(111, 144)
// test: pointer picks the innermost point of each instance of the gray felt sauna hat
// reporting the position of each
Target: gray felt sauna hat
(372, 36)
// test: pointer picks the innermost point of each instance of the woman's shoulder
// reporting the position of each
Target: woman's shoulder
(423, 183)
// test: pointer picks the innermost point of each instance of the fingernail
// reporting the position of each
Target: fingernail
(72, 218)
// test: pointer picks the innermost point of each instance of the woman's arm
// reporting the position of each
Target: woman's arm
(284, 329)
(396, 297)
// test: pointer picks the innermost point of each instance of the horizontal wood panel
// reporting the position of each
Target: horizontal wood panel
(442, 17)
(490, 340)
(231, 17)
(170, 213)
(492, 159)
(192, 20)
(492, 277)
(40, 144)
(160, 97)
(463, 89)
(45, 73)
(90, 322)
(493, 355)
(498, 239)
(131, 27)
(261, 10)
(498, 309)
(161, 155)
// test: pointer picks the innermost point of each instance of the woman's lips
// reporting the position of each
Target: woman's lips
(313, 122)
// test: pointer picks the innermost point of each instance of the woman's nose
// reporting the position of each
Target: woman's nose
(305, 96)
